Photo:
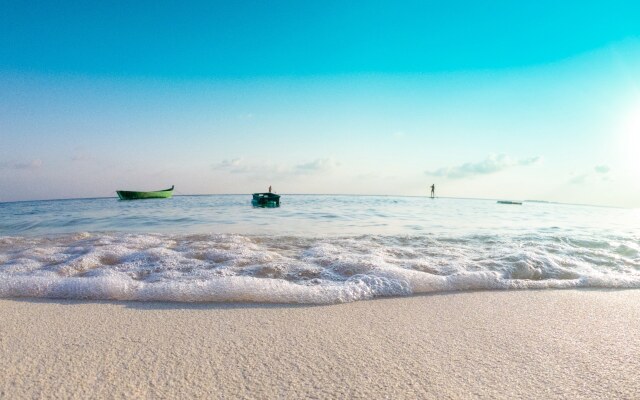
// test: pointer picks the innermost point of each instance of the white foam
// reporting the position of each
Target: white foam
(300, 269)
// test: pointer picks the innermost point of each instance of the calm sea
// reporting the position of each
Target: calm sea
(313, 249)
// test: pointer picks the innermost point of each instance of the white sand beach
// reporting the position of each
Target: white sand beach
(501, 344)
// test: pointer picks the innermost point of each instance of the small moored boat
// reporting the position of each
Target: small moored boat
(159, 194)
(266, 200)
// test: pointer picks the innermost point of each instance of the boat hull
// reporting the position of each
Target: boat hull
(132, 195)
(265, 200)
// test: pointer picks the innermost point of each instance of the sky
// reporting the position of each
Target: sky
(496, 99)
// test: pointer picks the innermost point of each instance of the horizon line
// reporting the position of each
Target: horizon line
(333, 194)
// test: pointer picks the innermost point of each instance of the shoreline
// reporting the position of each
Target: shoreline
(581, 343)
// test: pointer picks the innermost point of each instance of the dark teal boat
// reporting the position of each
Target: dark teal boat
(517, 203)
(158, 194)
(265, 200)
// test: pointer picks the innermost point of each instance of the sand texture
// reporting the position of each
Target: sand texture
(519, 344)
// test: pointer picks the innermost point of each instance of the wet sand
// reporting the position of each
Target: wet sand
(527, 344)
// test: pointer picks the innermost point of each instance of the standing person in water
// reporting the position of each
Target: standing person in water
(433, 191)
(269, 188)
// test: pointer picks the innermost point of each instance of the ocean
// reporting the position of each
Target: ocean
(314, 249)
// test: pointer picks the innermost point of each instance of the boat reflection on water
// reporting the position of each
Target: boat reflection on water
(265, 200)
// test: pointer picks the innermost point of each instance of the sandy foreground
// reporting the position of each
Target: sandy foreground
(531, 344)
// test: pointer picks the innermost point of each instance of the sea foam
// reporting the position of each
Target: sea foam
(301, 269)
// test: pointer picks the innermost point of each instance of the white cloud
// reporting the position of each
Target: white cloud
(492, 164)
(599, 171)
(579, 179)
(234, 166)
(239, 166)
(230, 163)
(529, 161)
(319, 165)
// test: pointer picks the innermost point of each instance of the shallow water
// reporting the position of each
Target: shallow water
(313, 249)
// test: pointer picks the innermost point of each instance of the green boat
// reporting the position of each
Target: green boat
(159, 194)
(265, 200)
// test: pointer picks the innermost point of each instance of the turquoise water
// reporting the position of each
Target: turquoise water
(313, 249)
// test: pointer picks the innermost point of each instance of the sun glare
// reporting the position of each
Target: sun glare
(630, 143)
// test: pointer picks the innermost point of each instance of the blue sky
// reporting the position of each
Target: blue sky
(485, 99)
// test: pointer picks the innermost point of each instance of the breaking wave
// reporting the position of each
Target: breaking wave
(298, 269)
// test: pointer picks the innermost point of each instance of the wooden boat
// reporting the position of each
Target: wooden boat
(159, 194)
(265, 200)
(519, 203)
